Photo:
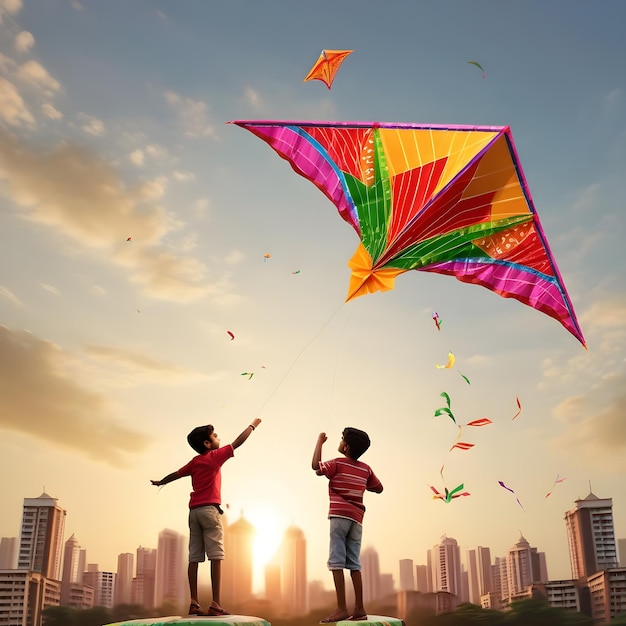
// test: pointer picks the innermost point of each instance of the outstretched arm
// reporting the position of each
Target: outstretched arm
(317, 453)
(246, 433)
(168, 479)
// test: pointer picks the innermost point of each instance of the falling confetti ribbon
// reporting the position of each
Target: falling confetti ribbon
(462, 445)
(445, 410)
(449, 364)
(448, 496)
(511, 490)
(248, 374)
(558, 479)
(437, 321)
(519, 406)
(230, 334)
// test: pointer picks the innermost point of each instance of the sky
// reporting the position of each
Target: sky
(113, 126)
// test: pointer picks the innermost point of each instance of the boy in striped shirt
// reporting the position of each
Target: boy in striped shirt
(348, 479)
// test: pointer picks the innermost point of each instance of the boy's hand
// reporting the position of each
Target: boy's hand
(256, 422)
(322, 438)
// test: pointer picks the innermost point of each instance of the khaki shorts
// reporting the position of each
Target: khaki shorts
(206, 535)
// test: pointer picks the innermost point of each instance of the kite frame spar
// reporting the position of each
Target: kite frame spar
(290, 140)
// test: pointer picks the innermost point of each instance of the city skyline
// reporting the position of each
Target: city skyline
(158, 581)
(241, 534)
(161, 268)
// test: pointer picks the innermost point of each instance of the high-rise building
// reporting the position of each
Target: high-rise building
(103, 584)
(237, 569)
(445, 566)
(142, 590)
(8, 552)
(407, 577)
(24, 595)
(591, 536)
(483, 564)
(73, 567)
(523, 567)
(293, 576)
(421, 579)
(41, 536)
(124, 579)
(370, 572)
(171, 578)
(621, 552)
(472, 577)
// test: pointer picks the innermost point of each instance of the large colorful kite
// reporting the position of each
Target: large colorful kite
(327, 66)
(445, 199)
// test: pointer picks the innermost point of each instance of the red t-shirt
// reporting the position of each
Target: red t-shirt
(206, 476)
(347, 480)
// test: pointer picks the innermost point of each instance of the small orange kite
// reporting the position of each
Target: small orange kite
(327, 65)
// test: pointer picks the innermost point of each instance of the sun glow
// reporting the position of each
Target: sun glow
(269, 531)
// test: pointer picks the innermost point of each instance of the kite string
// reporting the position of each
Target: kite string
(297, 358)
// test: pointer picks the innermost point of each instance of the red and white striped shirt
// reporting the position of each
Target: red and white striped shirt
(348, 479)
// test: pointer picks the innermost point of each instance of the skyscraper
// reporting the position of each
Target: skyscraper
(407, 576)
(370, 572)
(523, 566)
(41, 536)
(171, 578)
(103, 584)
(591, 536)
(445, 563)
(73, 567)
(483, 563)
(238, 566)
(293, 577)
(124, 578)
(8, 552)
(142, 591)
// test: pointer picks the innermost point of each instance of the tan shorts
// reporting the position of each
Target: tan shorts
(206, 535)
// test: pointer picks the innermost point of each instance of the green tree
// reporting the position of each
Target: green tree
(97, 616)
(124, 612)
(540, 613)
(59, 616)
(619, 620)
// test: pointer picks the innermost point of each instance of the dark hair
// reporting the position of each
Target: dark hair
(198, 436)
(358, 440)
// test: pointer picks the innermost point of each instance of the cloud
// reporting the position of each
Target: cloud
(50, 288)
(252, 98)
(36, 75)
(40, 398)
(83, 199)
(193, 114)
(24, 41)
(136, 157)
(13, 109)
(10, 296)
(92, 125)
(183, 176)
(51, 112)
(10, 6)
(595, 430)
(121, 367)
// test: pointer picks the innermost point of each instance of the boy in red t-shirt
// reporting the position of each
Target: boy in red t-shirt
(206, 535)
(348, 479)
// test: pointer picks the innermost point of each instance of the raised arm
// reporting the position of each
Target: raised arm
(317, 453)
(246, 433)
(168, 479)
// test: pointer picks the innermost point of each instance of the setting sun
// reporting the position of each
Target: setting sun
(269, 530)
